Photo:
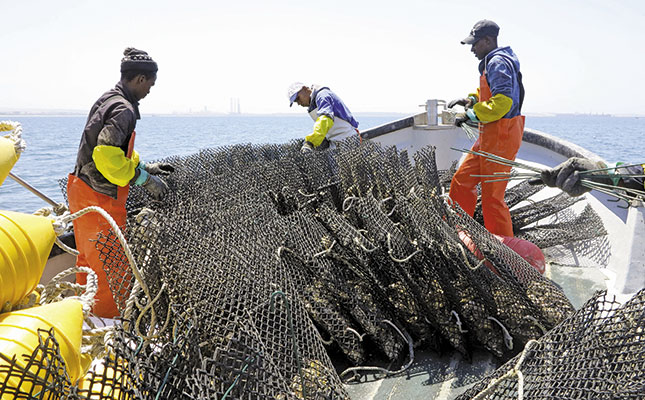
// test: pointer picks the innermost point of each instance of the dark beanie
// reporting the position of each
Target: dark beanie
(137, 60)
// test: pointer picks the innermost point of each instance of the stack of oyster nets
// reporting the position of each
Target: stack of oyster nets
(264, 264)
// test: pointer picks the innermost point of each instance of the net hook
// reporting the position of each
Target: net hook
(390, 251)
(453, 312)
(508, 339)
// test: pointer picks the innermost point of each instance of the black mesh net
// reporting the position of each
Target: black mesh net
(35, 375)
(597, 353)
(262, 264)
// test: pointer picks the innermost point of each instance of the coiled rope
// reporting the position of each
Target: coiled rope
(15, 135)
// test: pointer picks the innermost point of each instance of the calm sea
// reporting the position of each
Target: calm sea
(52, 142)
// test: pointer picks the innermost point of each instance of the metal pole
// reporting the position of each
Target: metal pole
(33, 190)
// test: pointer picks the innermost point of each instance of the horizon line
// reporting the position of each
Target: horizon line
(80, 113)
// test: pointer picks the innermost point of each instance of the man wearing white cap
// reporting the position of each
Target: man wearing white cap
(333, 120)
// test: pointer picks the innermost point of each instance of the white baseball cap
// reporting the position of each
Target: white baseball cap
(293, 91)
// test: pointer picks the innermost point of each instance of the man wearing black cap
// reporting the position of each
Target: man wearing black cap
(496, 107)
(107, 164)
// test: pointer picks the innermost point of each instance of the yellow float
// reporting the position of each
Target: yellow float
(9, 148)
(25, 243)
(19, 337)
(108, 383)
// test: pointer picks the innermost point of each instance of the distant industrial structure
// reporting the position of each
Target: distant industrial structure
(235, 105)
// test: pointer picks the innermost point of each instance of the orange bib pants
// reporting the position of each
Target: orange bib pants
(87, 228)
(503, 138)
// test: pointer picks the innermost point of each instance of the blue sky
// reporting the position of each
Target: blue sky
(385, 56)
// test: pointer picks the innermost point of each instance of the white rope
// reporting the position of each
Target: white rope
(347, 207)
(15, 135)
(59, 209)
(508, 339)
(359, 243)
(463, 253)
(510, 374)
(453, 312)
(60, 227)
(304, 194)
(390, 251)
(355, 332)
(56, 285)
(385, 372)
(66, 248)
(94, 340)
(28, 302)
(153, 322)
(130, 303)
(67, 218)
(326, 251)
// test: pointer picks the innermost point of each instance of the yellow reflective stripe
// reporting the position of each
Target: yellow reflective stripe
(321, 127)
(493, 109)
(114, 165)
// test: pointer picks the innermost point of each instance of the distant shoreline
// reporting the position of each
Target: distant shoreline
(18, 114)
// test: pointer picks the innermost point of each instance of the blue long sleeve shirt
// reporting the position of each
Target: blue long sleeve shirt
(502, 68)
(328, 103)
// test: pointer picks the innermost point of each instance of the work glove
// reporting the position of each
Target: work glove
(159, 168)
(461, 118)
(155, 186)
(566, 175)
(465, 102)
(307, 147)
(324, 144)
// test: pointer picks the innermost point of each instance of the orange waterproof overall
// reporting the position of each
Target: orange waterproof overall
(503, 138)
(87, 228)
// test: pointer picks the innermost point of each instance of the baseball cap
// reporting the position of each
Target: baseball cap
(482, 28)
(293, 91)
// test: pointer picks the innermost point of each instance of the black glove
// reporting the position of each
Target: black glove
(461, 118)
(155, 186)
(163, 169)
(465, 102)
(324, 144)
(307, 147)
(566, 175)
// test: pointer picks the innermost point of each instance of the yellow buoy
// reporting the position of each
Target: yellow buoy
(8, 157)
(25, 243)
(103, 383)
(19, 337)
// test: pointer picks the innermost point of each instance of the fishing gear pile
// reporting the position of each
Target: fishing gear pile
(597, 353)
(261, 262)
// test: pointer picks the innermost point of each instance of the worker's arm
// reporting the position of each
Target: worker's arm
(491, 110)
(501, 77)
(321, 127)
(108, 155)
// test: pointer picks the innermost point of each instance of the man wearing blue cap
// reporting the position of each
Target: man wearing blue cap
(496, 107)
(333, 120)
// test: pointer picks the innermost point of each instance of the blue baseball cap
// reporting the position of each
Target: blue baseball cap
(481, 29)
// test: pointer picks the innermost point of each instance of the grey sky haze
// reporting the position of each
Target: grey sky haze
(380, 56)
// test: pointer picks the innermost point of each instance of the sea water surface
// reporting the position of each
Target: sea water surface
(52, 142)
